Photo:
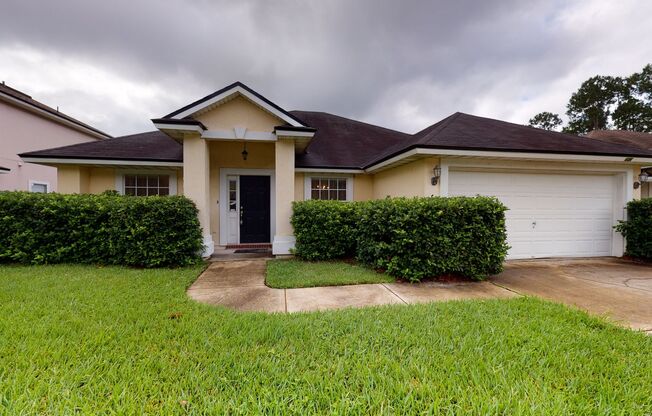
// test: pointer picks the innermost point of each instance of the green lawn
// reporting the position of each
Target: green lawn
(87, 340)
(290, 273)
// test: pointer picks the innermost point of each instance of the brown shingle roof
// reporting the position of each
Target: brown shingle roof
(154, 146)
(628, 138)
(344, 143)
(349, 144)
(24, 98)
(467, 132)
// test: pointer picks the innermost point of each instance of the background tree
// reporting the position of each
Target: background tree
(546, 120)
(635, 109)
(591, 106)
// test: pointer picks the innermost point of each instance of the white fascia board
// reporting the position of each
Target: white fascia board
(392, 160)
(290, 133)
(179, 127)
(245, 93)
(231, 135)
(59, 161)
(329, 170)
(53, 117)
(509, 155)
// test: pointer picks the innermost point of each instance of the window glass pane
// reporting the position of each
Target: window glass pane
(164, 191)
(341, 195)
(130, 191)
(39, 188)
(341, 184)
(164, 181)
(315, 184)
(314, 194)
(141, 181)
(141, 191)
(332, 183)
(130, 180)
(152, 181)
(232, 185)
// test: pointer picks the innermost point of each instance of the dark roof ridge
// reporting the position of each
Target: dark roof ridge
(350, 119)
(438, 127)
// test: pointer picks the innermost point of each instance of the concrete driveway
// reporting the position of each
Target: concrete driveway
(618, 289)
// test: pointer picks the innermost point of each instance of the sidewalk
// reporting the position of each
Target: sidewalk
(240, 285)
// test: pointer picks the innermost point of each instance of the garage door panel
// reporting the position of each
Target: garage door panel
(573, 214)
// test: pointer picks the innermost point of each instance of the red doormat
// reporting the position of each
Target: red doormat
(252, 245)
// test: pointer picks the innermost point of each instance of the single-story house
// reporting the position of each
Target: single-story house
(243, 160)
(27, 125)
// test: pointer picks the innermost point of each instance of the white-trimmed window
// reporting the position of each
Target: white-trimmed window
(39, 187)
(327, 187)
(137, 183)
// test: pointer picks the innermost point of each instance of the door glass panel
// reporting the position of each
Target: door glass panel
(233, 195)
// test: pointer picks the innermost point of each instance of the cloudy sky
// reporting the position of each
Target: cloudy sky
(401, 64)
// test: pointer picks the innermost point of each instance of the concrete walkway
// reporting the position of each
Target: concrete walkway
(615, 288)
(240, 285)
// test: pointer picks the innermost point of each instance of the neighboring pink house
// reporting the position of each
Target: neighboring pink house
(26, 125)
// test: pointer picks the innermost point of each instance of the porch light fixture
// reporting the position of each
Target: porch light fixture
(644, 177)
(436, 174)
(244, 152)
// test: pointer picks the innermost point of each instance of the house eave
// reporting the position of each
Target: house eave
(417, 152)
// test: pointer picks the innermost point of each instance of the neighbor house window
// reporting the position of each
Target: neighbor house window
(39, 187)
(147, 185)
(326, 188)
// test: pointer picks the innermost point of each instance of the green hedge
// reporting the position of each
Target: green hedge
(408, 238)
(324, 230)
(98, 229)
(637, 229)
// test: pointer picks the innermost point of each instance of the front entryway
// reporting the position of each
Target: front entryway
(254, 209)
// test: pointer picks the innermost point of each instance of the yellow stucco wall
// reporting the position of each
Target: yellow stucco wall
(285, 183)
(363, 187)
(101, 179)
(411, 179)
(228, 154)
(239, 112)
(68, 179)
(299, 186)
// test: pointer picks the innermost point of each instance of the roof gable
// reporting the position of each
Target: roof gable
(229, 92)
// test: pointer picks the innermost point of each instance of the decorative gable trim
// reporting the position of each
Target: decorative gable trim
(224, 94)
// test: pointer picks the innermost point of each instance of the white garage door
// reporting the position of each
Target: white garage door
(549, 215)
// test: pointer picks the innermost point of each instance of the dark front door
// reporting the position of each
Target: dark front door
(254, 209)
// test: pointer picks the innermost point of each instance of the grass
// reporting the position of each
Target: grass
(292, 273)
(87, 340)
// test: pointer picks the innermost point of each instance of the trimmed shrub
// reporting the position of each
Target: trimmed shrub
(637, 229)
(324, 230)
(408, 238)
(98, 229)
(428, 237)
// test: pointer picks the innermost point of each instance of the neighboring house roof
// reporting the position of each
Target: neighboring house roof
(4, 170)
(628, 138)
(20, 98)
(344, 143)
(153, 146)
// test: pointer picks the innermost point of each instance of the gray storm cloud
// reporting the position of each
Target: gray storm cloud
(402, 64)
